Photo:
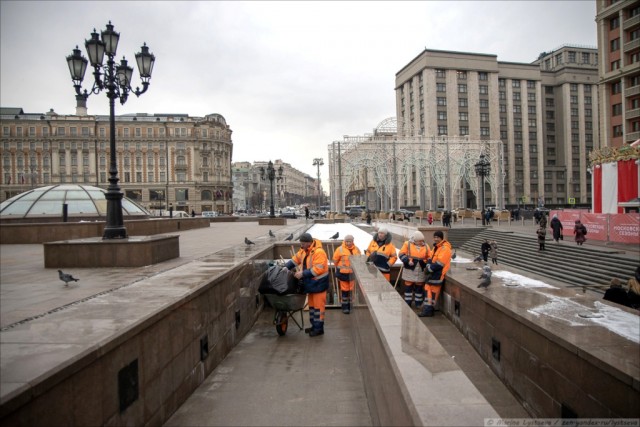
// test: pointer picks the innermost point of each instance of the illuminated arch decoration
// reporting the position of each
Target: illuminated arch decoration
(396, 159)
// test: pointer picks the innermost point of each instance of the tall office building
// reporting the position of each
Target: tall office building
(618, 23)
(544, 112)
(163, 160)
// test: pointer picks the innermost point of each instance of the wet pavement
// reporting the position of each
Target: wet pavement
(266, 379)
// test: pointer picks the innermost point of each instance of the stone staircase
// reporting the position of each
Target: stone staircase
(459, 236)
(578, 266)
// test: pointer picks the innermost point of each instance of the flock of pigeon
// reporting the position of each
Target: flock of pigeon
(289, 238)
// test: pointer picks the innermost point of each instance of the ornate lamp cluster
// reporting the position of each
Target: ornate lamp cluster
(116, 80)
(483, 168)
(270, 174)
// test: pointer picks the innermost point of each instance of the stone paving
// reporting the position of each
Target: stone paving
(294, 362)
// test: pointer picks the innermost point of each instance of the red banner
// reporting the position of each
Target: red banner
(597, 225)
(568, 219)
(625, 228)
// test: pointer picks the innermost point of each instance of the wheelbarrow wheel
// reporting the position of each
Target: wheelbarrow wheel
(282, 321)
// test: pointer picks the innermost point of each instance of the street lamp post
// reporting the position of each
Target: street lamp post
(270, 174)
(318, 162)
(116, 80)
(483, 167)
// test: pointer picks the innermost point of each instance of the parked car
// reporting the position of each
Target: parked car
(176, 214)
(288, 214)
(406, 212)
(355, 212)
(209, 214)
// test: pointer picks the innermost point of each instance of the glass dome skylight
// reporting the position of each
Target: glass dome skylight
(81, 200)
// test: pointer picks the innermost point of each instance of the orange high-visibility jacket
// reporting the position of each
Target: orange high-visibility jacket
(341, 258)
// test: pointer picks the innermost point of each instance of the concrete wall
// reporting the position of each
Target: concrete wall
(152, 365)
(53, 232)
(556, 369)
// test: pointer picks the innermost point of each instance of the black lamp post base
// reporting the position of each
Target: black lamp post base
(114, 233)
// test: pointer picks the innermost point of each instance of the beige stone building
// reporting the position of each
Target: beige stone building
(164, 160)
(545, 113)
(253, 193)
(618, 25)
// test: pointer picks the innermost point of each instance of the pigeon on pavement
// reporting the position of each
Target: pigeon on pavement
(289, 237)
(271, 234)
(455, 255)
(66, 278)
(485, 276)
(335, 236)
(248, 242)
(478, 258)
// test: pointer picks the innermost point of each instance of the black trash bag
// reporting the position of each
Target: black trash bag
(280, 281)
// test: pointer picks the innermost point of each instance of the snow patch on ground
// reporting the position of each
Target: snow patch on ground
(510, 278)
(614, 319)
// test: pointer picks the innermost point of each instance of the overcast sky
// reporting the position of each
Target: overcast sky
(289, 77)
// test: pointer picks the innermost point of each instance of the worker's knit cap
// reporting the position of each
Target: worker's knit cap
(417, 236)
(439, 234)
(306, 237)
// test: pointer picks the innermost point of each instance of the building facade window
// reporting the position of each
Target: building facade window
(463, 102)
(617, 130)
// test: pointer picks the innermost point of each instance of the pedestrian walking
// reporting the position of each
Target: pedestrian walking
(306, 213)
(542, 235)
(312, 268)
(382, 252)
(414, 255)
(344, 273)
(446, 219)
(556, 226)
(430, 218)
(485, 247)
(580, 232)
(543, 220)
(493, 252)
(437, 266)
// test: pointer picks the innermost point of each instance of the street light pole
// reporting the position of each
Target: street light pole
(270, 174)
(483, 167)
(116, 80)
(318, 162)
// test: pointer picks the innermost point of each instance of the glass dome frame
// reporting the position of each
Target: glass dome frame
(82, 201)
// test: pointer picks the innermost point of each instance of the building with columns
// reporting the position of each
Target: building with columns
(293, 189)
(544, 112)
(164, 160)
(618, 24)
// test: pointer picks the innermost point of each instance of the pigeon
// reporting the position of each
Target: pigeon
(289, 237)
(335, 236)
(248, 242)
(485, 276)
(455, 255)
(478, 258)
(271, 234)
(66, 278)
